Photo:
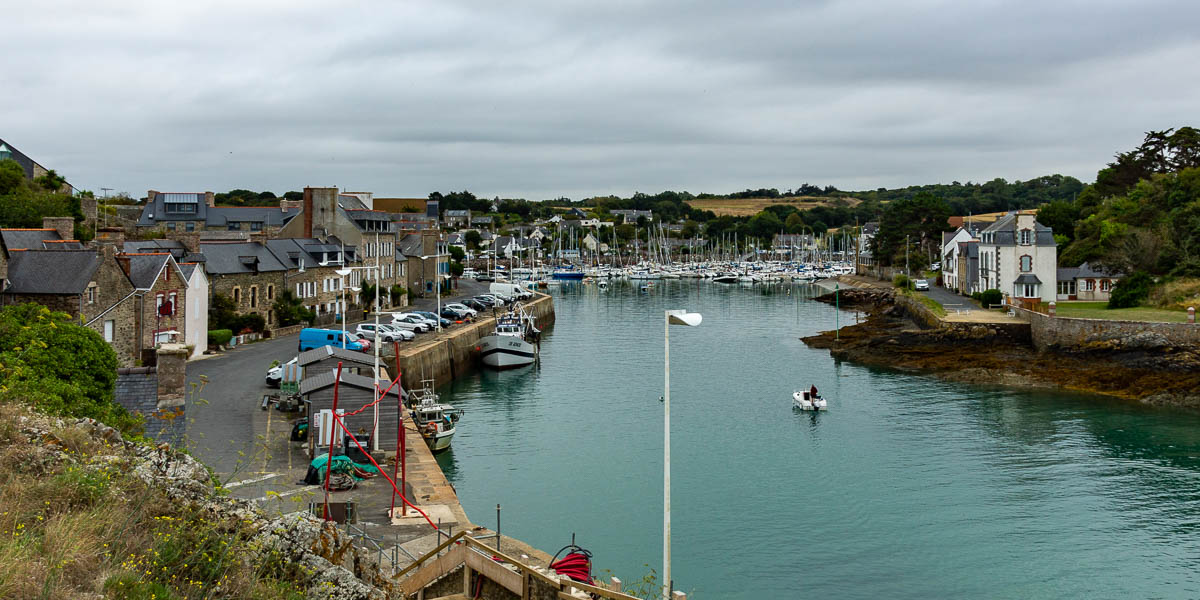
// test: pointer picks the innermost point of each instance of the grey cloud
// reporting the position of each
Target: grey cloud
(541, 99)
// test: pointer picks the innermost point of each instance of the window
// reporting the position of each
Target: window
(1026, 237)
(190, 226)
(234, 226)
(170, 227)
(237, 295)
(159, 299)
(1030, 290)
(1026, 263)
(299, 293)
(110, 327)
(254, 296)
(1090, 285)
(1066, 288)
(173, 299)
(91, 293)
(1105, 285)
(255, 226)
(270, 292)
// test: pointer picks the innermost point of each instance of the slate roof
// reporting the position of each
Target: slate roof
(309, 357)
(1005, 230)
(228, 258)
(1087, 270)
(1066, 273)
(289, 251)
(144, 268)
(1027, 278)
(155, 212)
(27, 239)
(410, 245)
(326, 378)
(458, 213)
(51, 272)
(188, 269)
(175, 247)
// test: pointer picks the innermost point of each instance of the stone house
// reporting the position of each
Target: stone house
(1086, 283)
(197, 211)
(457, 218)
(420, 251)
(245, 272)
(1017, 255)
(483, 222)
(161, 291)
(967, 267)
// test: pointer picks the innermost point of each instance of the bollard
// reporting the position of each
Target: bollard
(1192, 314)
(1053, 306)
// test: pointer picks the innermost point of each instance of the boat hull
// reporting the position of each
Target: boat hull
(439, 441)
(506, 352)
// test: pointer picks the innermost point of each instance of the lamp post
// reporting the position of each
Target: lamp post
(344, 271)
(672, 317)
(438, 274)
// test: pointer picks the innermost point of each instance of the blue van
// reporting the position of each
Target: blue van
(315, 338)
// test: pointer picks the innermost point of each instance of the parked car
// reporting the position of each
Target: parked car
(432, 317)
(461, 309)
(487, 301)
(921, 285)
(511, 290)
(475, 304)
(410, 322)
(484, 277)
(275, 373)
(495, 300)
(387, 333)
(315, 338)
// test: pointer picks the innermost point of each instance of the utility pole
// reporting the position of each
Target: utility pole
(906, 272)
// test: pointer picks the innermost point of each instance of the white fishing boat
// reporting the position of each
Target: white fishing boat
(806, 400)
(436, 422)
(513, 343)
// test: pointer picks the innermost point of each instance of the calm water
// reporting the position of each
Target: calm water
(907, 488)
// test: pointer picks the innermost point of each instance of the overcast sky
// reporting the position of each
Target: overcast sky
(549, 98)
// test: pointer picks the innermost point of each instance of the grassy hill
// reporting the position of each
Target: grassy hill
(748, 207)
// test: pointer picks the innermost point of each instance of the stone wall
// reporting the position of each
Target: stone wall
(454, 354)
(267, 283)
(1065, 333)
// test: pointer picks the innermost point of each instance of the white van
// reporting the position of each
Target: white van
(510, 290)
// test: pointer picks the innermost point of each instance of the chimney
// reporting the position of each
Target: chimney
(190, 240)
(308, 212)
(123, 260)
(111, 236)
(172, 375)
(259, 237)
(210, 199)
(65, 226)
(285, 204)
(151, 195)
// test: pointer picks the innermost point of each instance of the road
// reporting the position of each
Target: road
(226, 426)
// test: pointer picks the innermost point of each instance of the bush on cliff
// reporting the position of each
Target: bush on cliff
(65, 369)
(1131, 291)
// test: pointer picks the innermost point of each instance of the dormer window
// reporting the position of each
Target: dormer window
(1026, 237)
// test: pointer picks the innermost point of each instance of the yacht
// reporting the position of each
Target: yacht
(512, 343)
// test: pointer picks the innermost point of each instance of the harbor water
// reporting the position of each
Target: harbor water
(908, 487)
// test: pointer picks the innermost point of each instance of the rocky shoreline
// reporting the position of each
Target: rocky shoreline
(981, 354)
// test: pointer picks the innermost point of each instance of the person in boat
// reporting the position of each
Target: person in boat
(812, 393)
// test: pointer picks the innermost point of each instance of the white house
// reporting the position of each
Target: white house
(195, 333)
(950, 243)
(1017, 256)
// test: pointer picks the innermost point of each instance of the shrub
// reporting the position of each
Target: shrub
(976, 296)
(220, 337)
(901, 280)
(1131, 291)
(992, 297)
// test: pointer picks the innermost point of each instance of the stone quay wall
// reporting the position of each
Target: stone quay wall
(454, 352)
(1069, 332)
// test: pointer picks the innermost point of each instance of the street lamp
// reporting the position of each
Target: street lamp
(438, 275)
(673, 317)
(344, 271)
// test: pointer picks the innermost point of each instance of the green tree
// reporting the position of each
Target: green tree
(457, 254)
(794, 223)
(11, 176)
(764, 225)
(1060, 216)
(290, 310)
(473, 239)
(920, 220)
(51, 181)
(47, 359)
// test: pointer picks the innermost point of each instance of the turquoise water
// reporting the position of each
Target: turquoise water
(908, 487)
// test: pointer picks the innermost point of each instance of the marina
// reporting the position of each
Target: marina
(911, 488)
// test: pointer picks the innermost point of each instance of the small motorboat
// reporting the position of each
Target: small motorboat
(806, 400)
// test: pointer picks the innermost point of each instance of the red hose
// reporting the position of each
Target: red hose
(576, 566)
